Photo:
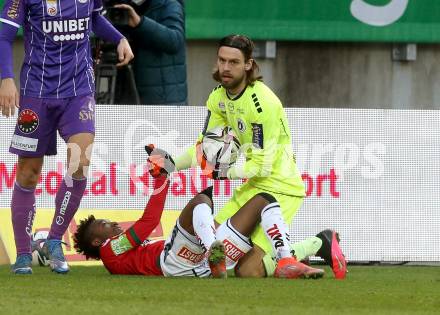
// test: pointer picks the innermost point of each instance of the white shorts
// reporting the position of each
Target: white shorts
(183, 256)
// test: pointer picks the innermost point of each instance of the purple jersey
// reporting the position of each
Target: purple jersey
(57, 61)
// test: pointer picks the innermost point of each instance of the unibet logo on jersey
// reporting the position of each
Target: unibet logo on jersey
(74, 28)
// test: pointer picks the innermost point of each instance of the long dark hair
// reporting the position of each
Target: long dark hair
(246, 46)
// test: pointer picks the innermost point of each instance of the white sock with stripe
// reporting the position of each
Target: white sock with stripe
(276, 230)
(203, 224)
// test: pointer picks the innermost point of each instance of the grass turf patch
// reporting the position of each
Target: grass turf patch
(87, 290)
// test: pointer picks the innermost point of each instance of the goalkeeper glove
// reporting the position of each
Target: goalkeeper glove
(218, 171)
(160, 163)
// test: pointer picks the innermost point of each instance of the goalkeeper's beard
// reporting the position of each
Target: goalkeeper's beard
(233, 84)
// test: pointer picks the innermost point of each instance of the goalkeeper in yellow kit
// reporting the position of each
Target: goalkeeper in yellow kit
(274, 190)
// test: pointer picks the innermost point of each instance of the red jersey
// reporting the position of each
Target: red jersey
(136, 260)
(130, 253)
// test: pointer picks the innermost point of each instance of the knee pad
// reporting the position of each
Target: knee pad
(236, 244)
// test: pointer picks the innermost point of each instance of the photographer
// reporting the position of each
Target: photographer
(157, 30)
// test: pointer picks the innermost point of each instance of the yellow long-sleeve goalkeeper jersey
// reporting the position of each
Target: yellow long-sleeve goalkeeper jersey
(260, 123)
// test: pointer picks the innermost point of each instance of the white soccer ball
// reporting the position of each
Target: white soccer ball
(220, 145)
(38, 239)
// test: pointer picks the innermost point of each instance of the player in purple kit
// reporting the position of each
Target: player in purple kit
(56, 93)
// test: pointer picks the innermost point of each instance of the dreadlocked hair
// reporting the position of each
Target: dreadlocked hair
(83, 239)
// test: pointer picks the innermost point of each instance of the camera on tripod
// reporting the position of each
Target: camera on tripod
(114, 85)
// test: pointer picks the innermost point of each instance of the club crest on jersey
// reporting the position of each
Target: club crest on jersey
(51, 7)
(222, 106)
(241, 125)
(27, 121)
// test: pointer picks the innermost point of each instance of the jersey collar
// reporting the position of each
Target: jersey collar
(237, 96)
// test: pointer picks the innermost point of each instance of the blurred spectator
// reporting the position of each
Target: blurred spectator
(157, 30)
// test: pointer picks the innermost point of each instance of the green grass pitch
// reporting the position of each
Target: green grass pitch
(91, 290)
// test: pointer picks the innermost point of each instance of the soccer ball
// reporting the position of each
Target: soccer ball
(37, 242)
(219, 145)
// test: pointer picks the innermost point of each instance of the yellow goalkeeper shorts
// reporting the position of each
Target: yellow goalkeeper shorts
(289, 206)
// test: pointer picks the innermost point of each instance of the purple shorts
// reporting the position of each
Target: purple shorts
(40, 118)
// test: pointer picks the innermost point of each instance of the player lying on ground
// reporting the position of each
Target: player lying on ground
(183, 254)
(186, 252)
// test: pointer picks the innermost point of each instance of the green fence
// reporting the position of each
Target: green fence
(315, 20)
